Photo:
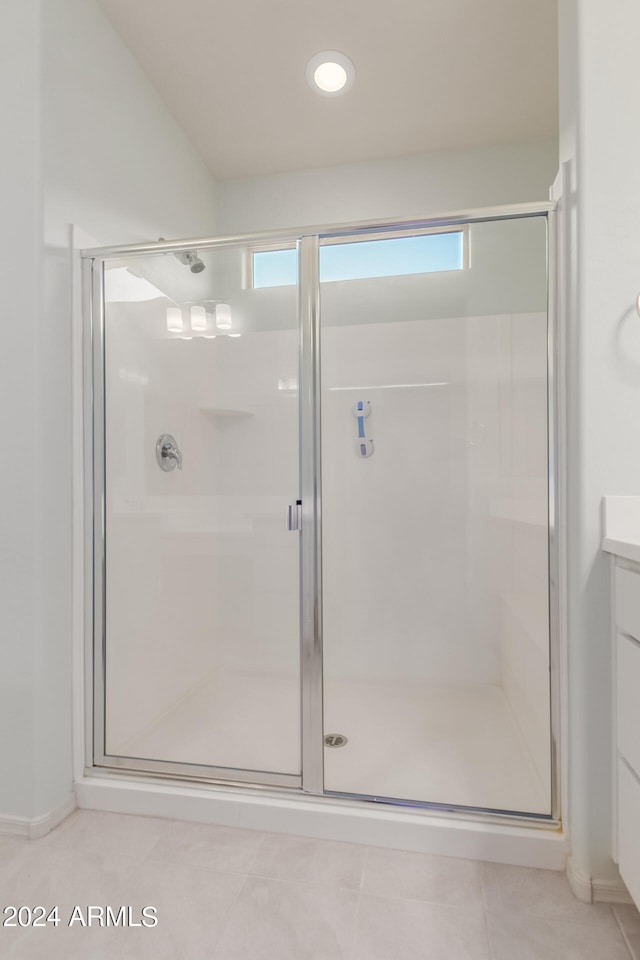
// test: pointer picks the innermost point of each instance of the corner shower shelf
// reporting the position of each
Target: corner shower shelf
(226, 412)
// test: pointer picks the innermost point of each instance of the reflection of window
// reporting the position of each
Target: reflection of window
(361, 259)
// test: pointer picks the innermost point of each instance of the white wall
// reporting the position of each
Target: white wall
(92, 144)
(20, 262)
(423, 185)
(600, 90)
(115, 160)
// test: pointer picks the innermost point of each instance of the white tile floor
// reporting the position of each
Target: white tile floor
(450, 744)
(231, 894)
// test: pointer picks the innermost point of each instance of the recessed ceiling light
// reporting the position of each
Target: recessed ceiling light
(330, 73)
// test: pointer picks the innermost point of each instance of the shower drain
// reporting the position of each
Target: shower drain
(335, 740)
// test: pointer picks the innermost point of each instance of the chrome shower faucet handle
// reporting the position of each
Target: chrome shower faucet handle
(167, 453)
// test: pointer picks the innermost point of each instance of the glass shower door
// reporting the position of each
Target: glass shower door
(435, 518)
(200, 671)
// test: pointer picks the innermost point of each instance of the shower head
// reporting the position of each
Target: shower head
(191, 259)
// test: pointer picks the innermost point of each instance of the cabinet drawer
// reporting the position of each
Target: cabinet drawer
(628, 601)
(629, 830)
(628, 706)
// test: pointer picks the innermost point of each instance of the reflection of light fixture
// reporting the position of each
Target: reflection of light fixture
(174, 320)
(198, 319)
(234, 335)
(223, 316)
(209, 336)
(330, 73)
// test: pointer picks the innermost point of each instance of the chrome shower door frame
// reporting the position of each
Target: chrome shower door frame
(96, 755)
(307, 240)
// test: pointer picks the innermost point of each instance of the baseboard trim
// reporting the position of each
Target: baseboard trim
(32, 829)
(610, 891)
(591, 890)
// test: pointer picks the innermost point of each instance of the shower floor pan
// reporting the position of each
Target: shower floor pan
(445, 744)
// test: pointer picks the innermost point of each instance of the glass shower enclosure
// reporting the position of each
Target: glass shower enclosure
(324, 511)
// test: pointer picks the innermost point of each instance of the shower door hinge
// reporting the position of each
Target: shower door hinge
(294, 516)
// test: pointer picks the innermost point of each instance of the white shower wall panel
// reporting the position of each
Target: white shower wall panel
(157, 585)
(249, 392)
(418, 554)
(405, 531)
(202, 573)
(481, 438)
(520, 523)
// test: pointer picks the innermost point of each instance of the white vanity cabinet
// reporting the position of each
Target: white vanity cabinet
(622, 541)
(627, 722)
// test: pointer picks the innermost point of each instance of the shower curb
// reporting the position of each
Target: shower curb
(329, 818)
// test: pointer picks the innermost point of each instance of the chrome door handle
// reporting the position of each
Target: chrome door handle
(294, 516)
(167, 453)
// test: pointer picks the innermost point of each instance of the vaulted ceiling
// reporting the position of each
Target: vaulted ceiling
(430, 75)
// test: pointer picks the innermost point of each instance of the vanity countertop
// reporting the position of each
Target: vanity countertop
(621, 525)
